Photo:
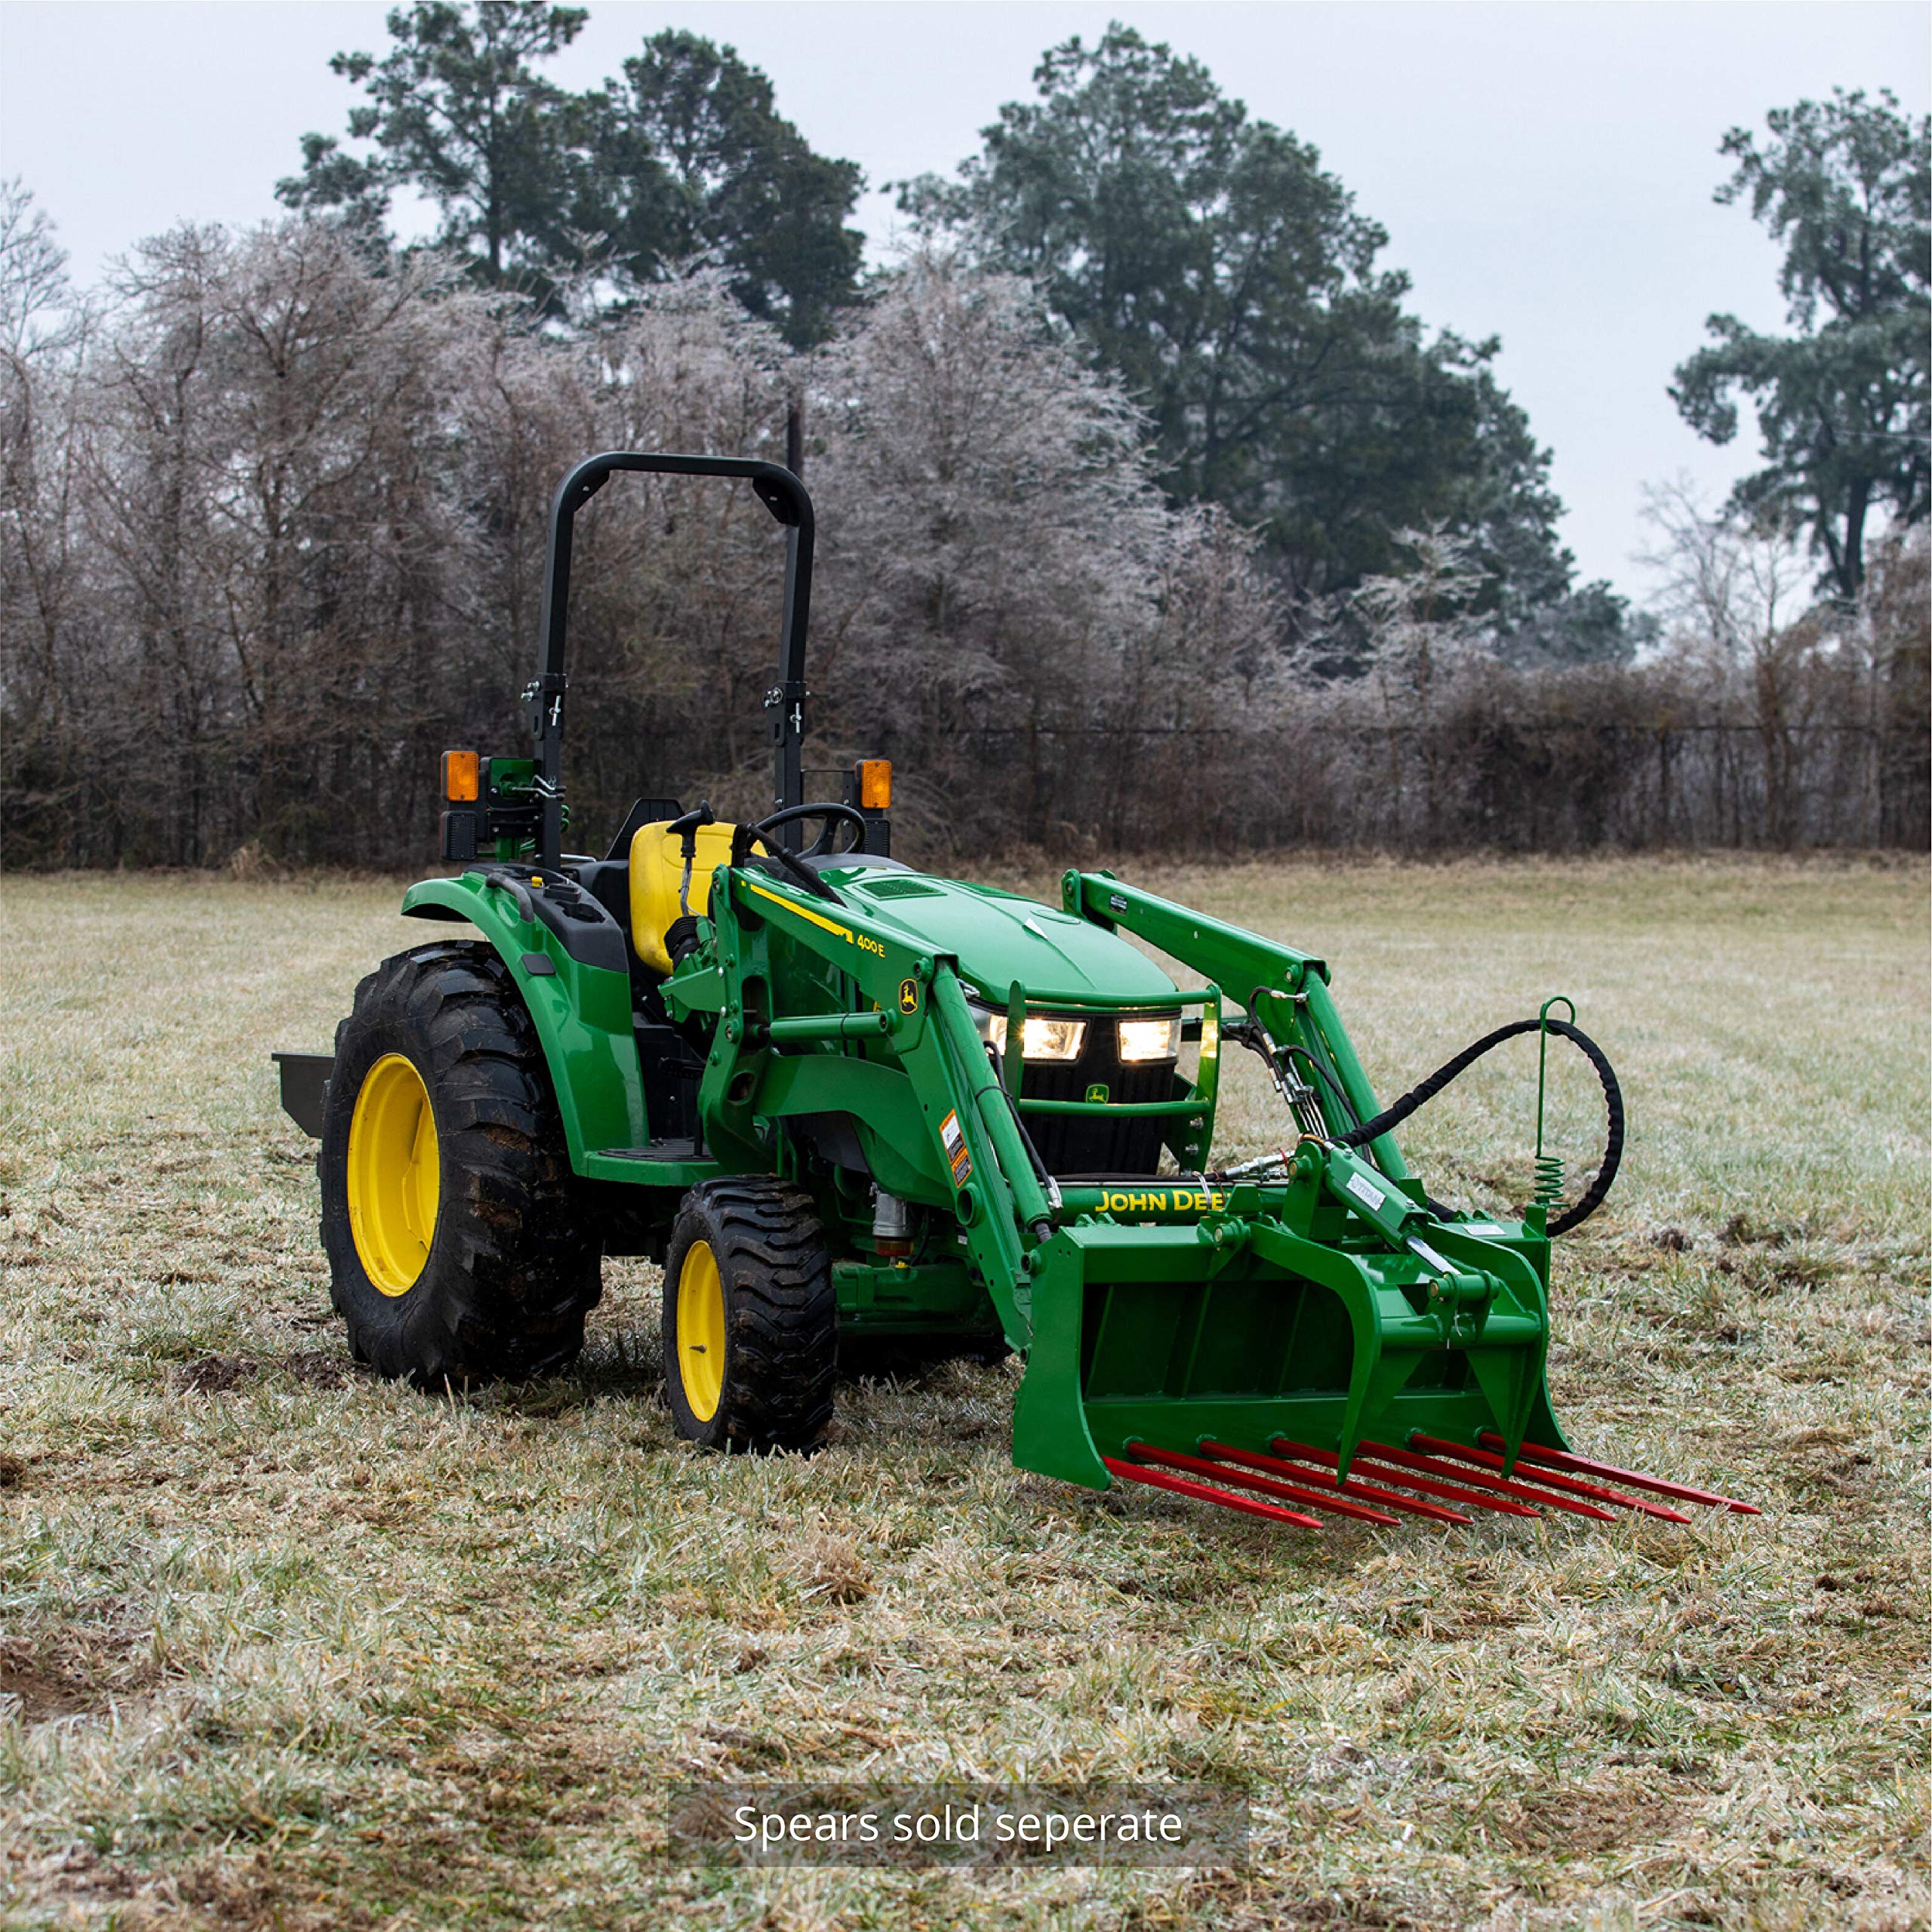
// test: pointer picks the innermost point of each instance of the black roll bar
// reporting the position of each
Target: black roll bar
(784, 496)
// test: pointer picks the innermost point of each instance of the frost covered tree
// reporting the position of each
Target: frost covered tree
(1737, 592)
(43, 557)
(257, 442)
(1422, 630)
(1001, 572)
(272, 536)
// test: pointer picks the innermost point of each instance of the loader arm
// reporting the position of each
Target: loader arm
(1242, 963)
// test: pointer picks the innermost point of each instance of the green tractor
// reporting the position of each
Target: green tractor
(845, 1101)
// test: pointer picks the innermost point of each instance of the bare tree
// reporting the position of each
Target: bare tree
(1894, 631)
(44, 335)
(993, 541)
(1421, 632)
(39, 314)
(1738, 593)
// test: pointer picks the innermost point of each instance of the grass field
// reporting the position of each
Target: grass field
(281, 1646)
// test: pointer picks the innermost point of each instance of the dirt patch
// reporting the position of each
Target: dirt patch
(75, 1872)
(321, 1368)
(42, 1694)
(214, 1375)
(250, 1894)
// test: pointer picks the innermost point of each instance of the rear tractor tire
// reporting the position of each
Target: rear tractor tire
(751, 1339)
(457, 1252)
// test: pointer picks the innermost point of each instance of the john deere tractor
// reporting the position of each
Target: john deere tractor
(845, 1101)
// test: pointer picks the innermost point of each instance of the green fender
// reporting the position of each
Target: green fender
(582, 1014)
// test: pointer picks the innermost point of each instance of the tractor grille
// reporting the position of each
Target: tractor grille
(1094, 1144)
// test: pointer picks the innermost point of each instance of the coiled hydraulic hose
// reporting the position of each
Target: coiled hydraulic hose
(1392, 1117)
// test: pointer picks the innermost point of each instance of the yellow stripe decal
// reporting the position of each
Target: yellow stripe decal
(803, 912)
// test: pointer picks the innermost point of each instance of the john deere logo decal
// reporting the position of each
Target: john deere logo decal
(908, 996)
(1096, 1094)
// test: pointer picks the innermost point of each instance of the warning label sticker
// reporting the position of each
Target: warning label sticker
(957, 1158)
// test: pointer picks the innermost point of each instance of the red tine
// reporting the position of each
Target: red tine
(1459, 1494)
(1544, 1499)
(1173, 1458)
(1200, 1491)
(1561, 1459)
(1364, 1492)
(1545, 1478)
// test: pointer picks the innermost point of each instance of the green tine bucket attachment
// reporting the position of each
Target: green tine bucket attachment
(1309, 1326)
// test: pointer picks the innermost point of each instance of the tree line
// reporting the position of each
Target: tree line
(1203, 257)
(1149, 517)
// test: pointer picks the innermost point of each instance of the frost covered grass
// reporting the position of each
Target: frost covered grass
(282, 1646)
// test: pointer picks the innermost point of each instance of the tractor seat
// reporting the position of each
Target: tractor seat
(657, 867)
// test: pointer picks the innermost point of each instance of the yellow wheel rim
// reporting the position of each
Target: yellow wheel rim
(394, 1174)
(701, 1330)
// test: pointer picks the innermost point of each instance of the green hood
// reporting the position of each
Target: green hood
(997, 937)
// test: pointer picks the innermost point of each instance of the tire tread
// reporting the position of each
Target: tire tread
(513, 1271)
(781, 1311)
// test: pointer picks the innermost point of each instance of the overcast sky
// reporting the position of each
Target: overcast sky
(1544, 170)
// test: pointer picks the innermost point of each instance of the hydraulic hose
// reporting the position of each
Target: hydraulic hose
(1392, 1117)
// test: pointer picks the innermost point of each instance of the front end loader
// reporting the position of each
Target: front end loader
(846, 1102)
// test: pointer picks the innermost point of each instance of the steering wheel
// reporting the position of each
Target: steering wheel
(821, 848)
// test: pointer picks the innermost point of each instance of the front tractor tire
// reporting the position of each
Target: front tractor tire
(751, 1342)
(456, 1251)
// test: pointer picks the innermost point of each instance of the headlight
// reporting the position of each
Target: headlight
(1149, 1039)
(1045, 1037)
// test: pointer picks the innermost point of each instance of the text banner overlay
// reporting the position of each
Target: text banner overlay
(911, 1826)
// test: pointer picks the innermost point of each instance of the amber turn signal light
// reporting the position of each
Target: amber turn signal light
(875, 784)
(461, 772)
